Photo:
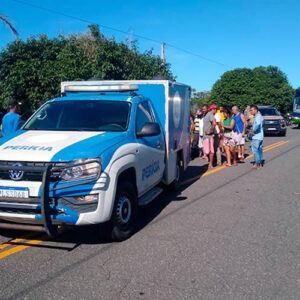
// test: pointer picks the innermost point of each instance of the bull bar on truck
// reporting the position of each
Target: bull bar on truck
(46, 208)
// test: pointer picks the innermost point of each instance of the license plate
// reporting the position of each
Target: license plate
(272, 128)
(14, 192)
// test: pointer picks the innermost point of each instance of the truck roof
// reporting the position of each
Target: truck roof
(94, 96)
(64, 84)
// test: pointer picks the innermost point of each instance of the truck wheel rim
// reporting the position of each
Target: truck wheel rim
(124, 210)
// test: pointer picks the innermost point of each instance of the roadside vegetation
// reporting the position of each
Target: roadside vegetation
(243, 87)
(31, 70)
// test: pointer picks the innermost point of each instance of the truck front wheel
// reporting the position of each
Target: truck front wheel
(125, 212)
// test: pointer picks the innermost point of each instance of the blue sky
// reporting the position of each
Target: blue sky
(235, 33)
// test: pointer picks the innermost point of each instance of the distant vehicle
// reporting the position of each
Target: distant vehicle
(274, 123)
(289, 119)
(296, 108)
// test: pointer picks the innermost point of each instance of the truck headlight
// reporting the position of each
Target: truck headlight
(81, 169)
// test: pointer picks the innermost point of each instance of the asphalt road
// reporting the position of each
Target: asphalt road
(231, 233)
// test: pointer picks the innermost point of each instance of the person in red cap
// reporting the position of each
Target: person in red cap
(217, 137)
(209, 124)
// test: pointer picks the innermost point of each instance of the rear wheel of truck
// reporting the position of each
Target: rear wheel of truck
(174, 186)
(125, 212)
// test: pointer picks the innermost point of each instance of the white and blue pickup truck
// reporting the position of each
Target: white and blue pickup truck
(95, 155)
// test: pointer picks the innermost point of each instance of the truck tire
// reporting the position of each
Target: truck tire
(174, 186)
(124, 215)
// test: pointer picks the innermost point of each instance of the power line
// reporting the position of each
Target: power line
(199, 56)
(81, 19)
(121, 31)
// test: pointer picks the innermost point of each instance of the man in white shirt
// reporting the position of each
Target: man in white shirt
(213, 108)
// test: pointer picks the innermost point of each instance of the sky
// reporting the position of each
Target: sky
(213, 36)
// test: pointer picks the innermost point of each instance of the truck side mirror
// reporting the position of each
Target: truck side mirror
(149, 129)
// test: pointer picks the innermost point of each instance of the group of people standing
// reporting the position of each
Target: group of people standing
(224, 130)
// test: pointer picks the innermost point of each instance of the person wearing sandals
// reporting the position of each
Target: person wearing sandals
(209, 124)
(240, 129)
(228, 137)
(213, 108)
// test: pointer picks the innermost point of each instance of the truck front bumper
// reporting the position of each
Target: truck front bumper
(42, 213)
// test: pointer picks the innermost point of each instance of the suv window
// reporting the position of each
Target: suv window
(268, 111)
(143, 115)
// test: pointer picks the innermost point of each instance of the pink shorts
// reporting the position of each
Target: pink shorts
(208, 145)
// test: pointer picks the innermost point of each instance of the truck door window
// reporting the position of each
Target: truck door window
(143, 115)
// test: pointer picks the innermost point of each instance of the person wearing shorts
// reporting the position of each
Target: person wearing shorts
(217, 137)
(240, 129)
(229, 143)
(209, 124)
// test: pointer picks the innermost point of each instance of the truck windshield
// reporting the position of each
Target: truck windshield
(269, 111)
(81, 115)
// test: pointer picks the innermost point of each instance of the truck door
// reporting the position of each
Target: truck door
(151, 151)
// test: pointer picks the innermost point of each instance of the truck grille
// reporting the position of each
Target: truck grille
(271, 126)
(27, 175)
(272, 122)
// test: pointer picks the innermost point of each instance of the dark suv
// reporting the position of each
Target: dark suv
(274, 123)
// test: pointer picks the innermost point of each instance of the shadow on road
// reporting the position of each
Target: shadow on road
(92, 234)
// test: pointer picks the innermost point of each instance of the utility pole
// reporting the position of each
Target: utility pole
(163, 52)
(130, 37)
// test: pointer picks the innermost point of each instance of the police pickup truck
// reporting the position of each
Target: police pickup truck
(95, 155)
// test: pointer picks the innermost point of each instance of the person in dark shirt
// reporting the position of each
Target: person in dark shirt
(11, 120)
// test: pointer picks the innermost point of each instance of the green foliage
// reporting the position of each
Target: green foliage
(261, 85)
(198, 99)
(31, 71)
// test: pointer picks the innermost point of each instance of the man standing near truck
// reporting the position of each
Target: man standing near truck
(11, 120)
(217, 137)
(196, 133)
(209, 124)
(240, 129)
(258, 136)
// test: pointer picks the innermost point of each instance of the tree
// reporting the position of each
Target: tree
(198, 99)
(31, 71)
(261, 85)
(10, 25)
